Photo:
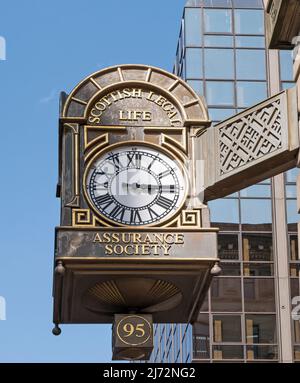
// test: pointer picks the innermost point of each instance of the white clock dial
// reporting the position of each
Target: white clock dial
(136, 186)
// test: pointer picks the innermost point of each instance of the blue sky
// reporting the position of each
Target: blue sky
(51, 46)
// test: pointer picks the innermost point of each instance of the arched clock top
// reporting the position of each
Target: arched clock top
(154, 97)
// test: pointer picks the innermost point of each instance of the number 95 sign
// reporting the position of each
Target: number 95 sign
(134, 330)
(132, 336)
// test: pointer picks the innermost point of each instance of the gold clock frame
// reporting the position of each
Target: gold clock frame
(137, 143)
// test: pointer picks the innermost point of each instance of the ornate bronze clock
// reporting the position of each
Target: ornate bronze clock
(134, 239)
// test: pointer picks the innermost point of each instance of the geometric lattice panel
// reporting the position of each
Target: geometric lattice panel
(251, 137)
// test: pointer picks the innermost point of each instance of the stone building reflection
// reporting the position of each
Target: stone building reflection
(232, 294)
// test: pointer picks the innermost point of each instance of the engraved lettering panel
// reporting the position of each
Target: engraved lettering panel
(100, 243)
(134, 107)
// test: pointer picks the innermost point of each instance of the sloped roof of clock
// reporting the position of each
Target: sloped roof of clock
(192, 108)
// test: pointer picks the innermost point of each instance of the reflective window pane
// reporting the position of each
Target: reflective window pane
(193, 3)
(251, 64)
(259, 294)
(247, 3)
(228, 247)
(218, 20)
(224, 210)
(182, 69)
(197, 85)
(256, 191)
(193, 63)
(260, 329)
(287, 85)
(233, 195)
(295, 288)
(250, 93)
(257, 247)
(220, 93)
(267, 181)
(256, 211)
(295, 270)
(221, 114)
(291, 211)
(293, 241)
(291, 175)
(193, 30)
(297, 353)
(262, 352)
(226, 295)
(213, 58)
(249, 22)
(286, 65)
(180, 46)
(291, 191)
(230, 268)
(216, 3)
(250, 42)
(201, 339)
(227, 328)
(296, 325)
(227, 352)
(258, 269)
(218, 41)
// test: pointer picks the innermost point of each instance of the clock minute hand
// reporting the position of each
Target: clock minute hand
(136, 185)
(148, 187)
(144, 186)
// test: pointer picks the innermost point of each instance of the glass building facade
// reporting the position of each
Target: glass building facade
(246, 316)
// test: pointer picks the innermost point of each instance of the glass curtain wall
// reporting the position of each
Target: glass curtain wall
(286, 81)
(221, 53)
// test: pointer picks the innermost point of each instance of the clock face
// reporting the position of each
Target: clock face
(136, 186)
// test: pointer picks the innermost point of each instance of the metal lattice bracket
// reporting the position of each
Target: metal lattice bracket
(256, 144)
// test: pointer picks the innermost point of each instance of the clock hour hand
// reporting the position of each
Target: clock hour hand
(134, 186)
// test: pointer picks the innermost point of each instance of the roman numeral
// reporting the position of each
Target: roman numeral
(118, 210)
(138, 159)
(135, 216)
(101, 186)
(164, 202)
(116, 161)
(152, 213)
(151, 164)
(164, 174)
(130, 158)
(134, 156)
(104, 200)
